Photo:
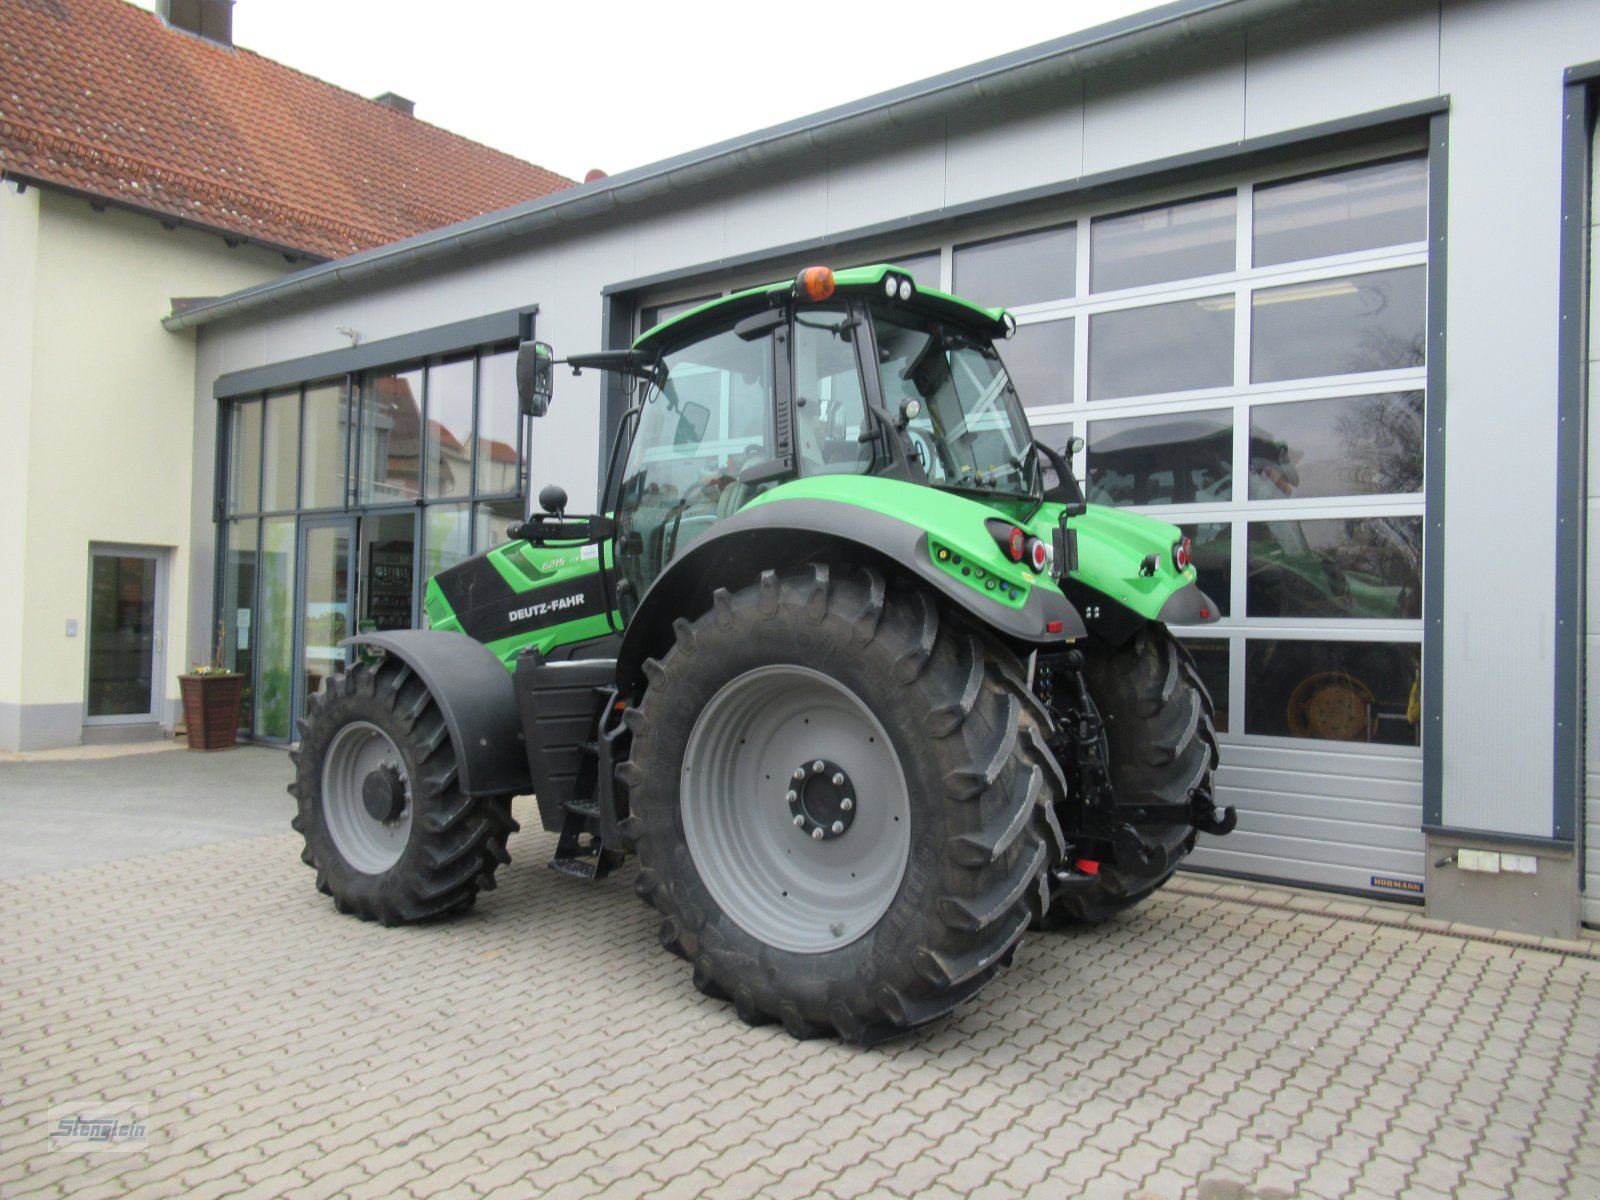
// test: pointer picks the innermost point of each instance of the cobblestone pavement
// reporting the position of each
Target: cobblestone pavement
(1219, 1043)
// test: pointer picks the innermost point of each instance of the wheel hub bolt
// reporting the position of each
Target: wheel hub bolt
(820, 801)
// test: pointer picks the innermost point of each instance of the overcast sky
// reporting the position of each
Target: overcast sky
(619, 83)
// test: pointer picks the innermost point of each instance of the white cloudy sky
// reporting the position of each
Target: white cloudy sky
(619, 83)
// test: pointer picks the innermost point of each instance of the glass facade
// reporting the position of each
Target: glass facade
(341, 497)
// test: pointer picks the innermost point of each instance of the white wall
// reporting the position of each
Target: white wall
(19, 252)
(106, 423)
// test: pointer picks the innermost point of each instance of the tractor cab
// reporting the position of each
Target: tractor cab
(859, 373)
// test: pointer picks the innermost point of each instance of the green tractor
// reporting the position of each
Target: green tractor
(847, 663)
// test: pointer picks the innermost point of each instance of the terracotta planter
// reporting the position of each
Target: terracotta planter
(211, 710)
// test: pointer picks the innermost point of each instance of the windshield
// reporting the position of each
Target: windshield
(970, 432)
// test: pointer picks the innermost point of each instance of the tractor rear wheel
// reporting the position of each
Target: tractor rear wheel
(841, 804)
(387, 828)
(1162, 748)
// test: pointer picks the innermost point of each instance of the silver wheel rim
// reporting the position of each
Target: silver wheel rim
(786, 887)
(369, 845)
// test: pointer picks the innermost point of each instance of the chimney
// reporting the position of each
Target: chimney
(209, 19)
(397, 102)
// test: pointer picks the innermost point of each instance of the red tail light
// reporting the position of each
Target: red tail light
(1182, 554)
(1038, 556)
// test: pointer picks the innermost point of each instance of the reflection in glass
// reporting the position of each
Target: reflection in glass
(275, 633)
(238, 610)
(388, 553)
(1359, 208)
(1346, 446)
(1338, 567)
(1058, 438)
(323, 447)
(498, 425)
(1039, 358)
(391, 427)
(1161, 348)
(491, 520)
(448, 537)
(325, 619)
(1028, 268)
(656, 314)
(449, 438)
(1333, 691)
(281, 442)
(1212, 544)
(244, 458)
(122, 630)
(1157, 245)
(1211, 660)
(1183, 459)
(1372, 322)
(926, 269)
(830, 414)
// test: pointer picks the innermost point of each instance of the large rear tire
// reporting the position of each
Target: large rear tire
(1162, 746)
(387, 828)
(774, 708)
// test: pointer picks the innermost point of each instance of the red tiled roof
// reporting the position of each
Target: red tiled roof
(99, 96)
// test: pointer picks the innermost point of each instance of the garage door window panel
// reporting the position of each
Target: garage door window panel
(1341, 212)
(1186, 240)
(1339, 691)
(1342, 326)
(1342, 446)
(1028, 268)
(1181, 459)
(1181, 346)
(1040, 359)
(1343, 567)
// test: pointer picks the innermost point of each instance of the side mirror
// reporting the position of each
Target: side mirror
(535, 377)
(692, 421)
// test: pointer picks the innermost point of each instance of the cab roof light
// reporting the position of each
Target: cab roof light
(814, 283)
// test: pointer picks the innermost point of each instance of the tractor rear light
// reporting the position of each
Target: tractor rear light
(891, 286)
(1055, 626)
(1088, 866)
(815, 283)
(1182, 554)
(1038, 556)
(1016, 544)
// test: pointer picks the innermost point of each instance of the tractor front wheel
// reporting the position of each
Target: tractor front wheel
(1162, 746)
(387, 828)
(841, 804)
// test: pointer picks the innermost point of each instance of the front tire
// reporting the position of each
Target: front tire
(1162, 747)
(863, 920)
(387, 828)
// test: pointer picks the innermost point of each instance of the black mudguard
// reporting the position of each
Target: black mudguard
(785, 534)
(473, 690)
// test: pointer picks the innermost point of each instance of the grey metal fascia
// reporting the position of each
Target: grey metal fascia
(1147, 33)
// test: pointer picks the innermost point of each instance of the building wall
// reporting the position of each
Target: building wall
(19, 252)
(1498, 64)
(103, 430)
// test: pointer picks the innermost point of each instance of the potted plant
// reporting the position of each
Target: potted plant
(211, 695)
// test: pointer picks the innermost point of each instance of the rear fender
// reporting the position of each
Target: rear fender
(473, 691)
(786, 534)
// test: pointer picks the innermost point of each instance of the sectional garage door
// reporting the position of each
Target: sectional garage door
(1247, 361)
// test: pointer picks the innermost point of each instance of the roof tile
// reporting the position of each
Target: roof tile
(101, 97)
